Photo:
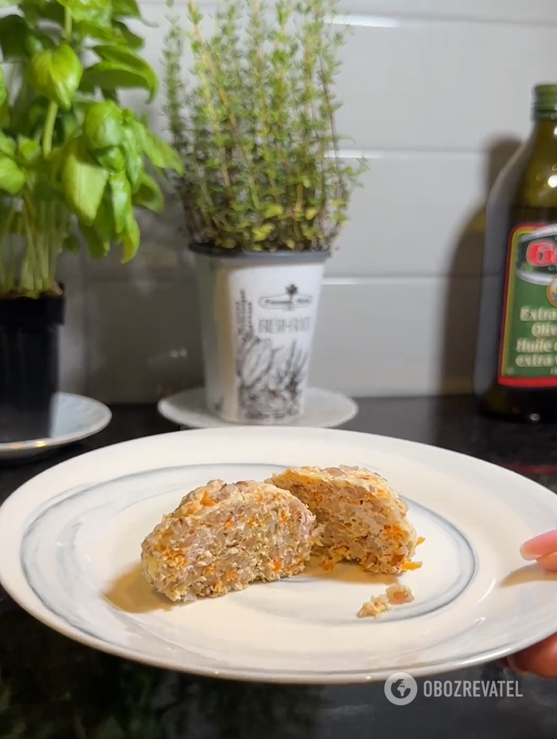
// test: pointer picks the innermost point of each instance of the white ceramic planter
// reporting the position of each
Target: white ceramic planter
(258, 317)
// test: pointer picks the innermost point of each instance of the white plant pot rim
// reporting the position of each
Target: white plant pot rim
(277, 256)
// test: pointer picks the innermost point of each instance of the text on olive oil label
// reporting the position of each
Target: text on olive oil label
(528, 356)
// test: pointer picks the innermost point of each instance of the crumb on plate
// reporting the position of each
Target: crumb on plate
(395, 595)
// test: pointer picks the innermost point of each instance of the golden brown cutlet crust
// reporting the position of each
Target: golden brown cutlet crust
(224, 536)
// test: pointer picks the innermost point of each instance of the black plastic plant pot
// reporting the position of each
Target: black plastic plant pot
(28, 366)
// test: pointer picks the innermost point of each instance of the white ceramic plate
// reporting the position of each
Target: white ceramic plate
(70, 541)
(324, 409)
(75, 418)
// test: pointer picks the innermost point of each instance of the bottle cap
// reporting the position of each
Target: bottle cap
(545, 98)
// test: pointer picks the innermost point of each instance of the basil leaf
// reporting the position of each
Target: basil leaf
(84, 181)
(103, 126)
(78, 7)
(104, 222)
(12, 178)
(128, 59)
(35, 12)
(5, 115)
(133, 157)
(130, 238)
(69, 124)
(121, 200)
(13, 33)
(97, 31)
(149, 195)
(111, 158)
(56, 74)
(101, 232)
(114, 75)
(139, 129)
(96, 247)
(35, 113)
(3, 91)
(36, 41)
(7, 145)
(127, 8)
(118, 53)
(129, 37)
(28, 150)
(160, 153)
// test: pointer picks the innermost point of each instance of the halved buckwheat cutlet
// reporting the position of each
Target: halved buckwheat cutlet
(224, 536)
(363, 519)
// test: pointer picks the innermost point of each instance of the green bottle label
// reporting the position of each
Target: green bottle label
(529, 329)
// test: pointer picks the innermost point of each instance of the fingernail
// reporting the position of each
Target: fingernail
(539, 546)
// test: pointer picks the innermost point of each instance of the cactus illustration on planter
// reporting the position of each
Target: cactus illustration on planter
(270, 378)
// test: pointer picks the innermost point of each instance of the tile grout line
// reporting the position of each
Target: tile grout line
(371, 279)
(399, 20)
(382, 20)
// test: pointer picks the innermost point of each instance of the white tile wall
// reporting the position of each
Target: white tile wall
(436, 94)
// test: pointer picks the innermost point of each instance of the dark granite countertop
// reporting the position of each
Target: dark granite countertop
(53, 688)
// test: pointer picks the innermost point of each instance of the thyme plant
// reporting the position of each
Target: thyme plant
(73, 161)
(255, 128)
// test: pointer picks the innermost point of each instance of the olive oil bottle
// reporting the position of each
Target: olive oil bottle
(516, 359)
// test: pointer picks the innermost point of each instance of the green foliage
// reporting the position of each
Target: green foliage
(255, 129)
(56, 74)
(74, 164)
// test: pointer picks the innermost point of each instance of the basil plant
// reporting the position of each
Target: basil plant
(74, 163)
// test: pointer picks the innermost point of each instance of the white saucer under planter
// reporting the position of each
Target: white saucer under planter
(75, 418)
(324, 409)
